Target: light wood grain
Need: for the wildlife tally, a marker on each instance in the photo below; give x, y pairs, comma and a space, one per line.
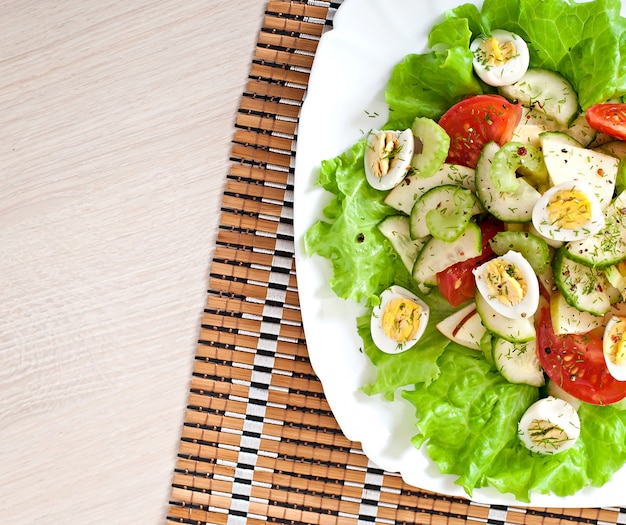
115, 127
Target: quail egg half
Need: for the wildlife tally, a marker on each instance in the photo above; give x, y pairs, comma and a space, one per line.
509, 284
399, 321
549, 425
614, 347
388, 157
569, 211
500, 59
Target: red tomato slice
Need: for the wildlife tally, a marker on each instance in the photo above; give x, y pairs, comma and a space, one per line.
576, 363
609, 119
456, 283
475, 121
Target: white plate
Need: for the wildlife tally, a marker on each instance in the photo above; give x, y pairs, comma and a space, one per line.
345, 96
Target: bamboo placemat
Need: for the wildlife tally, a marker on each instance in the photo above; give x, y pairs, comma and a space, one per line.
259, 442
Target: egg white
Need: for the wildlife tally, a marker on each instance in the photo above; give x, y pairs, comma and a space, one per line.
402, 164
510, 71
529, 304
618, 371
384, 343
556, 411
542, 224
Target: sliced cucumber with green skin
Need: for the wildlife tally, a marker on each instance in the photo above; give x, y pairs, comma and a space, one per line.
437, 255
404, 196
396, 229
486, 345
518, 362
617, 280
553, 139
513, 330
435, 144
516, 206
534, 249
583, 287
514, 156
443, 212
620, 178
546, 91
608, 246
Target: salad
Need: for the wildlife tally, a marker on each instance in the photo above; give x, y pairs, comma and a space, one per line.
468, 411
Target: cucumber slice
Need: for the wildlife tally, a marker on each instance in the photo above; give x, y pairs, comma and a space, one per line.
546, 91
396, 229
486, 345
443, 212
551, 140
404, 196
534, 249
513, 330
617, 279
608, 246
435, 144
515, 206
518, 362
583, 287
437, 255
514, 156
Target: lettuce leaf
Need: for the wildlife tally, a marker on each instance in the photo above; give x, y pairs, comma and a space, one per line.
416, 365
468, 416
427, 85
582, 41
364, 262
467, 420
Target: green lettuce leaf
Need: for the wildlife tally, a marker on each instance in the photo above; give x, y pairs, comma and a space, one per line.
427, 85
416, 365
582, 41
364, 262
468, 416
467, 419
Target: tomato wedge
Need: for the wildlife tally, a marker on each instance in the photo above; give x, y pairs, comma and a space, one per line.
475, 121
576, 363
609, 119
456, 283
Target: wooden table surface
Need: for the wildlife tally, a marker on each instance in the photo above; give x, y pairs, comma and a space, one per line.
115, 126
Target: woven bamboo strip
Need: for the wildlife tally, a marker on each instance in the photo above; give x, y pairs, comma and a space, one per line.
288, 43
266, 175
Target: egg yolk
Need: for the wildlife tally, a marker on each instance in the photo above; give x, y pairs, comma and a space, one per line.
401, 319
546, 433
494, 53
569, 209
616, 351
505, 282
383, 153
